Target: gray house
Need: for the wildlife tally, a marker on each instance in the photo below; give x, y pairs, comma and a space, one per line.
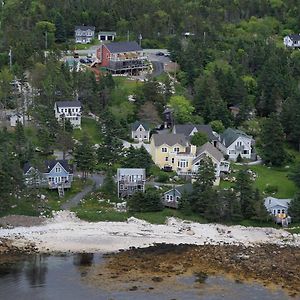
173, 196
140, 131
52, 174
130, 180
84, 34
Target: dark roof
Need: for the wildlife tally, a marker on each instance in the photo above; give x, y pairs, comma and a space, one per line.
213, 151
186, 129
49, 165
169, 139
119, 47
107, 33
294, 37
188, 188
83, 27
75, 103
136, 125
230, 135
168, 110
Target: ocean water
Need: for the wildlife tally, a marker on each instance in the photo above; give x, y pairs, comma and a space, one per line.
63, 277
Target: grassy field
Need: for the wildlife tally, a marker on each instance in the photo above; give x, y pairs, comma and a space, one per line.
269, 176
90, 128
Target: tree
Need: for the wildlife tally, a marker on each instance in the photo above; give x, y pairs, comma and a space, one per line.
295, 175
64, 142
145, 202
294, 208
244, 189
60, 32
217, 126
272, 141
199, 139
109, 186
137, 158
183, 109
84, 156
203, 192
261, 214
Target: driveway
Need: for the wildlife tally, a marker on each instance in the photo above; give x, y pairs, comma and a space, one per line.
74, 201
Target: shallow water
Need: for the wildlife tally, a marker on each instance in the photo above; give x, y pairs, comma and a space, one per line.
62, 277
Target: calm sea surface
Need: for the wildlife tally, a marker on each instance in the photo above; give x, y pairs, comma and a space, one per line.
62, 277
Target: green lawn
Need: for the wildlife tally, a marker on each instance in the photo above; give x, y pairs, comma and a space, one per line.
31, 205
269, 176
90, 128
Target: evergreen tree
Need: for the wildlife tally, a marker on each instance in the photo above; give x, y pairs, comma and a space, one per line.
199, 139
84, 156
60, 32
261, 214
109, 186
245, 193
272, 141
295, 175
294, 208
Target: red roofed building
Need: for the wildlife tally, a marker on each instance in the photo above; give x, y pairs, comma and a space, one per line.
122, 57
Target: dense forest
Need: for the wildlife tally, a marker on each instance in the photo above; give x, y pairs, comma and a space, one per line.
234, 56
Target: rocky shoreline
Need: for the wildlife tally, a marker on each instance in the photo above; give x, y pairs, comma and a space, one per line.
270, 265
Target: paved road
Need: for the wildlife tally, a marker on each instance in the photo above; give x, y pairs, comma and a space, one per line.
158, 68
74, 201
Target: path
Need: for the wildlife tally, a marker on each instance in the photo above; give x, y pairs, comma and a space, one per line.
74, 201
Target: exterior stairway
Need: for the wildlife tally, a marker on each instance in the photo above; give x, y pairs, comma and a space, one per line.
61, 191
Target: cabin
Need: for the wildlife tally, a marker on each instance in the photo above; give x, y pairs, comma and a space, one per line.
292, 41
278, 208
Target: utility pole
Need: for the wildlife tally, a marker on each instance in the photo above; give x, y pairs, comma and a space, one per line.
128, 35
46, 40
140, 39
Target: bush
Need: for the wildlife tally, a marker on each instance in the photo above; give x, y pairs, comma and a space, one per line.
239, 158
163, 177
271, 189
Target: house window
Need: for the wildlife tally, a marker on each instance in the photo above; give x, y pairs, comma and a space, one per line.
278, 211
246, 152
282, 211
166, 158
231, 151
171, 198
121, 186
167, 197
239, 143
177, 198
57, 169
141, 129
173, 160
176, 149
164, 150
145, 137
135, 137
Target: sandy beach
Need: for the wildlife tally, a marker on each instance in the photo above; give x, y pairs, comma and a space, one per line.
66, 233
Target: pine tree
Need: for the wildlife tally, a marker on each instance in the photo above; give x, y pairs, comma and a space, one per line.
272, 141
60, 32
85, 157
261, 214
294, 208
245, 193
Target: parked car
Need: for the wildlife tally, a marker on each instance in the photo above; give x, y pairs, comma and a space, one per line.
76, 55
159, 53
89, 55
83, 60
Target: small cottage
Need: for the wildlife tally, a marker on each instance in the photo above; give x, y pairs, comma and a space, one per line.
140, 132
292, 41
172, 197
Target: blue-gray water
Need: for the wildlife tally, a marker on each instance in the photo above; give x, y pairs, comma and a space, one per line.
61, 277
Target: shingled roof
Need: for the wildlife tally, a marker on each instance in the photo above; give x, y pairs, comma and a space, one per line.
230, 135
136, 125
75, 103
83, 27
294, 37
49, 165
169, 139
187, 129
121, 47
213, 151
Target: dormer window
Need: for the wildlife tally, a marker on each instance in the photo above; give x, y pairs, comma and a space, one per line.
58, 169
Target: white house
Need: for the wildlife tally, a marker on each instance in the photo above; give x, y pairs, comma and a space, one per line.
130, 180
292, 41
220, 164
84, 34
140, 132
278, 208
107, 36
68, 110
233, 142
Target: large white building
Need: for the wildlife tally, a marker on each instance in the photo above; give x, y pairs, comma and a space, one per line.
68, 110
84, 34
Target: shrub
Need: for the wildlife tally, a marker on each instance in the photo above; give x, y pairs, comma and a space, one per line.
270, 189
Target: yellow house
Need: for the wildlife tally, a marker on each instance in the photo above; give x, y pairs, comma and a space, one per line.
172, 151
